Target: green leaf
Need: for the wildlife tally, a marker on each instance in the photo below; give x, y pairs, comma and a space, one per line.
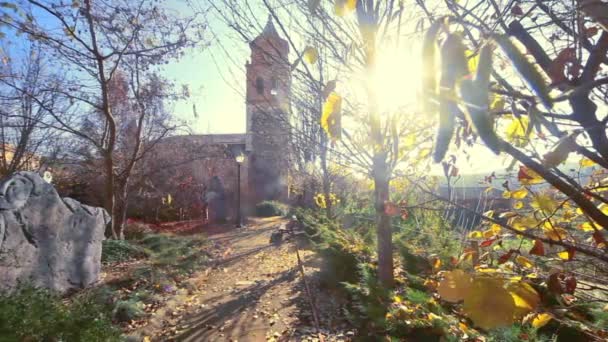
429, 67
528, 69
453, 67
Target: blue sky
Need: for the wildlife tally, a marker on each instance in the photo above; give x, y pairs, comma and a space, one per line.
216, 78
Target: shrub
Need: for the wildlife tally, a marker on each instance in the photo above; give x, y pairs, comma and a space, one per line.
127, 310
120, 251
35, 314
136, 230
271, 208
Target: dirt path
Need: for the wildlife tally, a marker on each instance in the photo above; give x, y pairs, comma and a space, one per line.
253, 292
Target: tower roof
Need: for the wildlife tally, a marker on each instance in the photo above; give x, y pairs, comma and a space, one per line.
269, 29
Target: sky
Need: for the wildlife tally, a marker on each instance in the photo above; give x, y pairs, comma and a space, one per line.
216, 83
216, 78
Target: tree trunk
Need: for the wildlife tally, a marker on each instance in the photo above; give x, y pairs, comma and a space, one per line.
383, 222
121, 208
326, 181
110, 199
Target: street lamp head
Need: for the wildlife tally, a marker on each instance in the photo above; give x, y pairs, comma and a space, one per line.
240, 158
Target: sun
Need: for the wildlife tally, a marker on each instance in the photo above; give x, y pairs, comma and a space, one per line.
396, 78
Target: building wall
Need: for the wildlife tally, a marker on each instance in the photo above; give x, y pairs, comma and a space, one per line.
184, 167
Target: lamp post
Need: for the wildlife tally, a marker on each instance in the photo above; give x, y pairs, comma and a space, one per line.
240, 158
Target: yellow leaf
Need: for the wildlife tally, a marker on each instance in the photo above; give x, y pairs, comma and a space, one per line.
488, 233
555, 233
520, 193
523, 223
488, 304
343, 7
565, 255
524, 262
603, 208
351, 5
331, 118
476, 234
311, 55
586, 162
518, 205
586, 226
544, 202
516, 131
528, 176
397, 299
410, 140
497, 104
454, 286
496, 228
525, 296
169, 199
431, 316
473, 60
541, 320
146, 339
506, 194
436, 263
423, 153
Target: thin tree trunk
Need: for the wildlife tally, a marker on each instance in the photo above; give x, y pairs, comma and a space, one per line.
326, 181
110, 200
383, 222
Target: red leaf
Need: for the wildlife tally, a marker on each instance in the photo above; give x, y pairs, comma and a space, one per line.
454, 261
488, 242
391, 209
571, 253
517, 11
505, 258
591, 31
570, 283
538, 248
522, 174
599, 238
554, 283
564, 61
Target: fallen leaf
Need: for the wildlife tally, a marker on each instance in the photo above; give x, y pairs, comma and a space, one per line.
541, 320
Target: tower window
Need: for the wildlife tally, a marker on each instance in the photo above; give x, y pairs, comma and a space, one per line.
259, 86
274, 86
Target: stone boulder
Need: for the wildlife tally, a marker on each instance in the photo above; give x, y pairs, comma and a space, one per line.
46, 240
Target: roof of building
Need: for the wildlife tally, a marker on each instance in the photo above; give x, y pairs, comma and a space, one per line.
269, 29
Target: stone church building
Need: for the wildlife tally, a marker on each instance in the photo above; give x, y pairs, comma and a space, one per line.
204, 166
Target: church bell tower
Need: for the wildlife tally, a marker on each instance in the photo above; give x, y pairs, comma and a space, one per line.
268, 108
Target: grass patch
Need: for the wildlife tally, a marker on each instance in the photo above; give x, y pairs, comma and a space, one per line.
33, 314
114, 251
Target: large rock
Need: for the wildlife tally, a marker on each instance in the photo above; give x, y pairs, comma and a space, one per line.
47, 240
